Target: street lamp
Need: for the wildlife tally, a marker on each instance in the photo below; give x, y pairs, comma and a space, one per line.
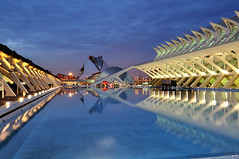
70, 75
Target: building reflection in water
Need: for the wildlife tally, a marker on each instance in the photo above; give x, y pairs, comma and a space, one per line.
214, 110
199, 116
14, 123
101, 100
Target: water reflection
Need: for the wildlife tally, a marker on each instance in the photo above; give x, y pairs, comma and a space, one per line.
213, 110
197, 135
101, 100
11, 125
205, 118
98, 107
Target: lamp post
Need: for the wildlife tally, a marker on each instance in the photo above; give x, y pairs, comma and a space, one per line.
70, 75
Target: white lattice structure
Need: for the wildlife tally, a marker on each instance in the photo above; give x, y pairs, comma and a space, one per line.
206, 58
26, 77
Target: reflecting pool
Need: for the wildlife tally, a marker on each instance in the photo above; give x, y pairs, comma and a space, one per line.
125, 123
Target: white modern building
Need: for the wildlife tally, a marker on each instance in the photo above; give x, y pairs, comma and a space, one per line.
205, 58
20, 76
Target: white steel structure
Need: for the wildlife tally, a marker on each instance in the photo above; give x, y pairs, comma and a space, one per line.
26, 77
206, 58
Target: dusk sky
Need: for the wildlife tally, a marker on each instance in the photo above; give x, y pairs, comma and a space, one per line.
59, 35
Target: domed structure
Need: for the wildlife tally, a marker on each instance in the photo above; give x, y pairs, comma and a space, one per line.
95, 68
112, 70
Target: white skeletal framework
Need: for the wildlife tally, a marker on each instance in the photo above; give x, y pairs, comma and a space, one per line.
206, 58
213, 110
26, 77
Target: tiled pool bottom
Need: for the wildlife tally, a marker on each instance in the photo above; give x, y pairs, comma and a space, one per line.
71, 127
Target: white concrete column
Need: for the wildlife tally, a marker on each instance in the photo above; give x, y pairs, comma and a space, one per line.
17, 67
9, 91
30, 77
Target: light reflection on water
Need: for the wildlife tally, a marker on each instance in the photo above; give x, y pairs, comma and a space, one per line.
188, 113
12, 124
207, 119
214, 110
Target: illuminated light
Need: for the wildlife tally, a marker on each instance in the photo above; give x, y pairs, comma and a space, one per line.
6, 127
24, 94
104, 82
179, 97
29, 96
21, 99
70, 74
4, 136
70, 95
16, 126
104, 89
225, 104
174, 95
8, 104
154, 94
24, 118
30, 113
26, 112
16, 60
204, 98
214, 102
225, 71
39, 93
195, 99
167, 95
35, 94
213, 73
19, 117
34, 110
186, 96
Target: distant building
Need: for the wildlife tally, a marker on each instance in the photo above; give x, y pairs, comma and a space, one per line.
66, 77
94, 68
138, 80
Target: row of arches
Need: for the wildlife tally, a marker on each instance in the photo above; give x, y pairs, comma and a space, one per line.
214, 35
203, 60
18, 77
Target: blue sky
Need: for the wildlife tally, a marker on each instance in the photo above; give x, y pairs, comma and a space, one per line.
59, 35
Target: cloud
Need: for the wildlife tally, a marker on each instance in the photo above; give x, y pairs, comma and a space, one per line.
125, 30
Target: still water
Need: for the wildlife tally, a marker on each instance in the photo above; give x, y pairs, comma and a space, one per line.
125, 124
